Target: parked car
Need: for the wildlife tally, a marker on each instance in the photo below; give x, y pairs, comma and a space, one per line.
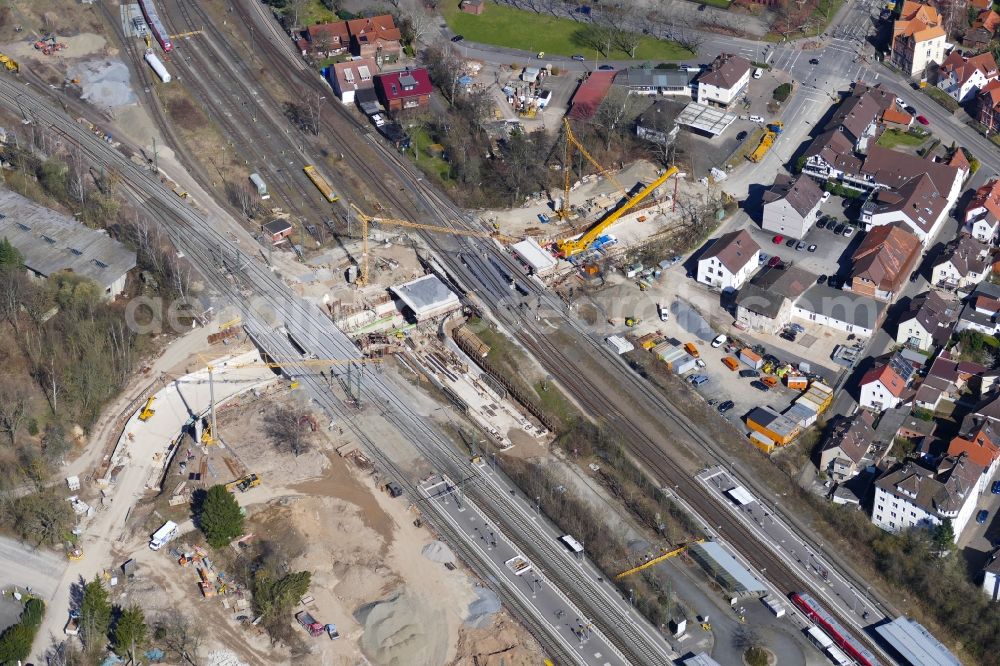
579, 58
798, 328
378, 119
760, 386
700, 362
813, 61
826, 197
606, 68
910, 110
726, 406
756, 119
996, 488
774, 262
778, 240
848, 231
821, 224
457, 38
812, 248
788, 335
790, 242
741, 136
800, 246
821, 279
749, 373
982, 516
763, 258
923, 121
699, 380
839, 229
719, 341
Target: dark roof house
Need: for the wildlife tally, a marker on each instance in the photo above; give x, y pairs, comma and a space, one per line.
884, 260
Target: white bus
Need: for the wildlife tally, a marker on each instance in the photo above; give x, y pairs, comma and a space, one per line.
571, 543
163, 536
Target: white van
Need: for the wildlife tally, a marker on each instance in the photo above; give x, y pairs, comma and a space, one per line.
756, 119
757, 73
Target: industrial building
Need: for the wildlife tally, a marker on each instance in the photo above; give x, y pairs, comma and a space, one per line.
51, 242
535, 257
725, 570
427, 297
770, 426
914, 644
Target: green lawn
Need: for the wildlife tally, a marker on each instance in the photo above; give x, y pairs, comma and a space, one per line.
315, 13
894, 138
501, 25
420, 140
941, 97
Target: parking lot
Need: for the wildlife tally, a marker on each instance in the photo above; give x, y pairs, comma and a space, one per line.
832, 256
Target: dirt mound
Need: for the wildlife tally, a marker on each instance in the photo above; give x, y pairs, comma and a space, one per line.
401, 630
438, 551
483, 608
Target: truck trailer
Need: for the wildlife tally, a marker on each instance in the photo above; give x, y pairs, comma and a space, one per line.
157, 66
260, 185
163, 536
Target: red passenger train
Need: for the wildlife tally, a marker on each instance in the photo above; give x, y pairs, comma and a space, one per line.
155, 25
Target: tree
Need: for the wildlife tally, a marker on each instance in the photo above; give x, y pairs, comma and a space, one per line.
287, 430
42, 517
943, 537
95, 614
179, 636
9, 256
130, 631
13, 410
273, 596
34, 610
747, 637
15, 643
220, 518
597, 37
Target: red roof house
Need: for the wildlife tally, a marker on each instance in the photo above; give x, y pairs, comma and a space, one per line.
406, 89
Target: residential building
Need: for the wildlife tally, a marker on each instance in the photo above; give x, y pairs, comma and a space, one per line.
982, 215
884, 386
475, 7
988, 106
896, 118
980, 34
928, 322
725, 81
590, 95
842, 310
946, 381
729, 261
406, 89
918, 39
765, 303
964, 263
277, 230
980, 313
51, 243
658, 123
848, 447
980, 440
324, 40
962, 78
376, 37
791, 205
882, 263
351, 76
909, 495
900, 423
673, 82
991, 576
918, 204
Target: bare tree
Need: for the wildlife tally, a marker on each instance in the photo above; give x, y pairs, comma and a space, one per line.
746, 638
13, 410
289, 429
420, 24
598, 37
614, 114
295, 9
179, 636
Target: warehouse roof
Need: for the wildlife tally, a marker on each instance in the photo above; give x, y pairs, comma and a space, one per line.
51, 242
700, 659
591, 93
707, 119
534, 255
844, 306
725, 569
426, 296
915, 644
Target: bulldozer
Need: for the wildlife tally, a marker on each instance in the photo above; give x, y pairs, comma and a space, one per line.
9, 64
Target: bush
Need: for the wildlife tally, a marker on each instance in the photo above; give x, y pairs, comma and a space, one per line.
33, 611
841, 190
782, 92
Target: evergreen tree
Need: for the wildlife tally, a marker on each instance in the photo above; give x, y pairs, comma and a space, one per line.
130, 631
9, 256
220, 518
95, 613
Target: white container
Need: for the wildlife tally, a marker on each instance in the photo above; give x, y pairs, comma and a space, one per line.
157, 66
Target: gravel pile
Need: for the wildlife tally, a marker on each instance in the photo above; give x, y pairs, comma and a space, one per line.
483, 608
402, 631
104, 82
438, 551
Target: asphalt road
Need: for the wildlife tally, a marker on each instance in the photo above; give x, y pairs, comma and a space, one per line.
25, 567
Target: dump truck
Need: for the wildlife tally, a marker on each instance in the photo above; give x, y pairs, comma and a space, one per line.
770, 134
310, 624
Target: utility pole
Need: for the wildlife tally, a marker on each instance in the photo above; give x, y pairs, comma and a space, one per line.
156, 160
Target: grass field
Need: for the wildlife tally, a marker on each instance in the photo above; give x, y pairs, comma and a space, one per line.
942, 98
894, 138
514, 28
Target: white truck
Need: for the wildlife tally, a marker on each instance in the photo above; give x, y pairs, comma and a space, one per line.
163, 536
664, 311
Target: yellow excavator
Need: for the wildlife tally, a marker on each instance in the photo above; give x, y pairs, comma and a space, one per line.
569, 247
147, 409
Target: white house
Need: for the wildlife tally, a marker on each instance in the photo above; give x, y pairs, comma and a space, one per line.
913, 496
963, 78
918, 38
883, 386
729, 261
963, 264
928, 322
841, 310
982, 216
791, 205
725, 81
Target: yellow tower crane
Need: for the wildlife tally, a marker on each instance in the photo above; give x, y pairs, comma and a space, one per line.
572, 142
210, 435
569, 246
368, 219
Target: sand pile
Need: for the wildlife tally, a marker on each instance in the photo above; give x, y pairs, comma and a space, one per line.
401, 631
483, 608
438, 551
104, 82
